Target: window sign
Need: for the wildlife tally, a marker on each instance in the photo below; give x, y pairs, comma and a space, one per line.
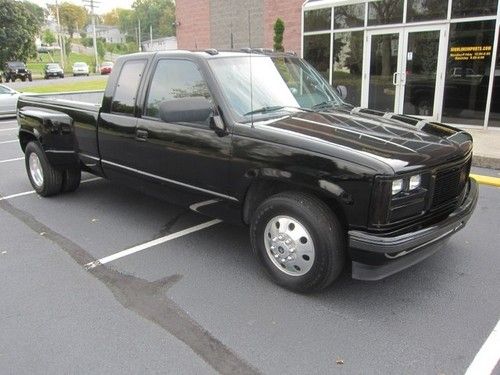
468, 72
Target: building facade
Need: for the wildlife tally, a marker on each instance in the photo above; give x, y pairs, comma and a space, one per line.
228, 24
437, 59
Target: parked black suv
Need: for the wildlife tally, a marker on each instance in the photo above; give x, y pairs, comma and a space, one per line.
16, 70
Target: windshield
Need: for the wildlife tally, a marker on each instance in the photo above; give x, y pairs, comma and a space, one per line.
52, 66
278, 84
80, 65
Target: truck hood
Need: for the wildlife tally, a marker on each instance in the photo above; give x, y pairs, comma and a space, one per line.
404, 143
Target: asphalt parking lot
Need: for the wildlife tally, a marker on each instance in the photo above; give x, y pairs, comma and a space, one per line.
200, 303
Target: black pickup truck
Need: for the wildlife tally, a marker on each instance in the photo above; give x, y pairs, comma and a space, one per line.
263, 140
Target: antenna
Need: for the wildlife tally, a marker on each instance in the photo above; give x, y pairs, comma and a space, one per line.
251, 77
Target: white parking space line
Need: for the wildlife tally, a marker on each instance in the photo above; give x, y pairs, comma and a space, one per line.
488, 356
4, 142
33, 191
4, 130
152, 243
9, 160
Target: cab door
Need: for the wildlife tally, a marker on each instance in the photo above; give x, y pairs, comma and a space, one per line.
183, 155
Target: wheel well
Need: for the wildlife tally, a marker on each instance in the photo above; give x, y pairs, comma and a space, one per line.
259, 191
26, 138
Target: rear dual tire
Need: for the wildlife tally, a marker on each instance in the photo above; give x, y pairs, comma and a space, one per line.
299, 241
45, 179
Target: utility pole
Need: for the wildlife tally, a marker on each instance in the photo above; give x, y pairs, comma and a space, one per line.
59, 37
151, 35
92, 5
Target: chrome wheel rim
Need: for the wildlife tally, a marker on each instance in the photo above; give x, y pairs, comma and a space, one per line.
36, 170
289, 245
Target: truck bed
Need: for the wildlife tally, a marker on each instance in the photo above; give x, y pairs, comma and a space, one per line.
67, 123
86, 100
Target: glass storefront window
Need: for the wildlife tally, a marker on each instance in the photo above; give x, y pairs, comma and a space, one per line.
348, 16
348, 64
473, 8
317, 52
426, 10
495, 95
384, 12
318, 19
421, 68
467, 75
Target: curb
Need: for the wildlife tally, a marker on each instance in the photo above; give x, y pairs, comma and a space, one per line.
485, 162
486, 180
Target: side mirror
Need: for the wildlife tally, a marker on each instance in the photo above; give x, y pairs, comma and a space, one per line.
194, 109
342, 90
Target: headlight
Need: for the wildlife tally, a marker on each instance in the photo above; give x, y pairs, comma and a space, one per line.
397, 186
414, 182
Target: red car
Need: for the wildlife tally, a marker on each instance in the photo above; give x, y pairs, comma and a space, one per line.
106, 67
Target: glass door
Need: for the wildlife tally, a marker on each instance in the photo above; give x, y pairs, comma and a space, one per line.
420, 83
382, 83
400, 70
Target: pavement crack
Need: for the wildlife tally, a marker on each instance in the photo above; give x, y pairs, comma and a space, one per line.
147, 299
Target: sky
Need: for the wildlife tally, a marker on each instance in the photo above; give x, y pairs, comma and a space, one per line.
104, 6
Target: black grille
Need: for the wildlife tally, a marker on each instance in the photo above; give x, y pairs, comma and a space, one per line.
449, 184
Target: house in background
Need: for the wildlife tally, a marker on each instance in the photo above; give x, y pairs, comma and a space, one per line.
160, 44
111, 34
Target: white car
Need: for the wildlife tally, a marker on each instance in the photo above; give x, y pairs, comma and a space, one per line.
8, 101
80, 69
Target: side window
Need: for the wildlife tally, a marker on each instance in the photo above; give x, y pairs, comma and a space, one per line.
174, 79
126, 87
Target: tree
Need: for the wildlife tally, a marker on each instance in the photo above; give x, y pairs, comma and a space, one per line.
160, 14
38, 12
111, 18
20, 25
279, 30
48, 37
72, 17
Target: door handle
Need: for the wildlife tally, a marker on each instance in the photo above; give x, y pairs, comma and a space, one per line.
395, 78
141, 135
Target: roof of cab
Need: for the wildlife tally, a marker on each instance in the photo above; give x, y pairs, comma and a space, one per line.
213, 53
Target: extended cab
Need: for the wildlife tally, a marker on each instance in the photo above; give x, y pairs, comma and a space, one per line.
263, 140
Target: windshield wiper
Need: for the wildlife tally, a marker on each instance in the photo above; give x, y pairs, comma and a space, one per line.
325, 104
274, 108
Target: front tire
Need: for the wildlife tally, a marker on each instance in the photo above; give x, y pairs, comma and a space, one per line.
45, 179
299, 240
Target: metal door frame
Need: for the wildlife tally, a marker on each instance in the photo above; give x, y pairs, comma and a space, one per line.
400, 75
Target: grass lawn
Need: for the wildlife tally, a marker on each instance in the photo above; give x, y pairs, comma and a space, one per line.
95, 84
36, 65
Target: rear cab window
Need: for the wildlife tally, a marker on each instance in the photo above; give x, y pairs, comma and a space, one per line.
127, 86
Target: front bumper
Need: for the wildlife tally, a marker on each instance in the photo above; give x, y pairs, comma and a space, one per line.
393, 254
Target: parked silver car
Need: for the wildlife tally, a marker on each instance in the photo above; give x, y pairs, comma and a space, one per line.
8, 101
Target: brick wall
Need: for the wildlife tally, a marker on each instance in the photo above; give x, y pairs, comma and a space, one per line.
290, 12
232, 16
194, 29
209, 23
